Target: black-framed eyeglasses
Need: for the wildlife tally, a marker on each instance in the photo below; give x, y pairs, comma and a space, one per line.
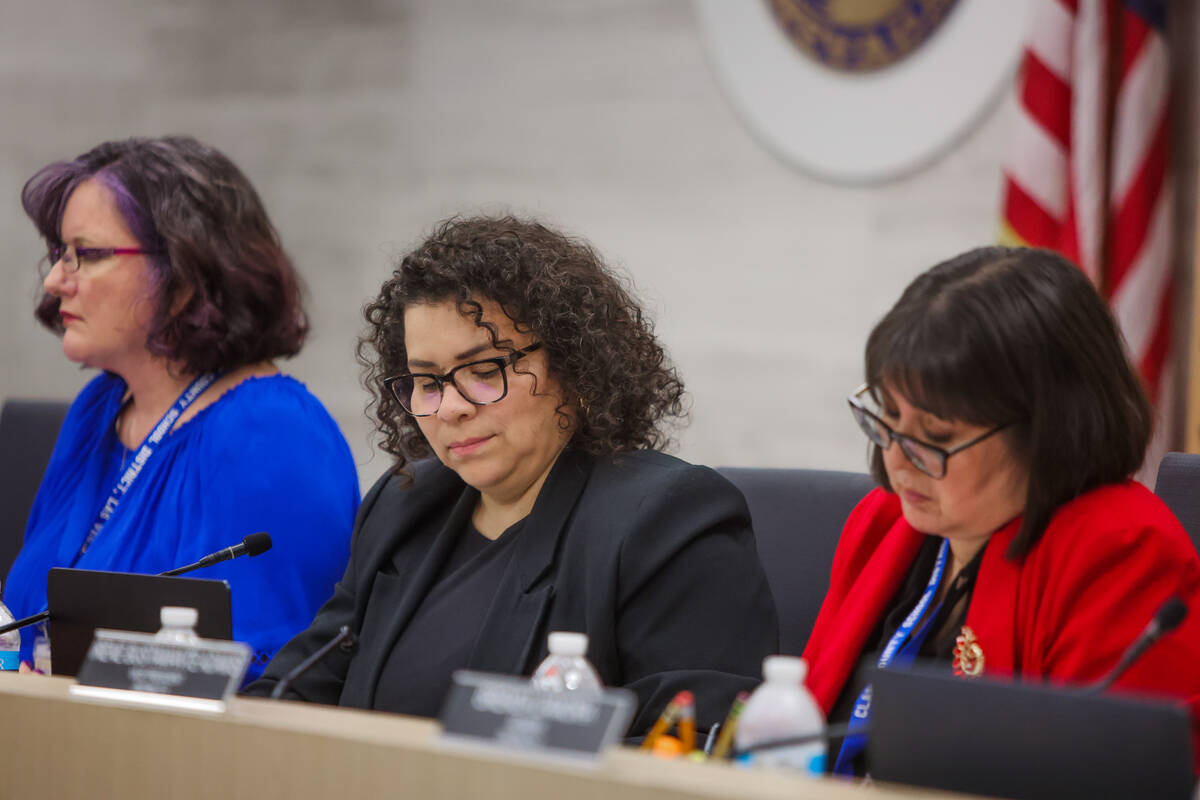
72, 257
479, 382
928, 458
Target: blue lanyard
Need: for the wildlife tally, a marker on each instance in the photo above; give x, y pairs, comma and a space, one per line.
127, 478
901, 651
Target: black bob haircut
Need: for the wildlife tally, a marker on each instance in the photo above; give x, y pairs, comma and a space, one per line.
1018, 337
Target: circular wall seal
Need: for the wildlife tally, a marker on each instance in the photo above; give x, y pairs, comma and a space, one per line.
860, 127
859, 35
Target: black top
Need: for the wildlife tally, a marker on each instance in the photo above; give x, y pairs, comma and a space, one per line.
938, 646
651, 557
443, 630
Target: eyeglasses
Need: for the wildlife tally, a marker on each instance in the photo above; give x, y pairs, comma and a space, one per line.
928, 458
479, 382
73, 257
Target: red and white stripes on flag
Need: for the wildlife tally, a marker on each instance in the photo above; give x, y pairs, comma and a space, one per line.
1087, 175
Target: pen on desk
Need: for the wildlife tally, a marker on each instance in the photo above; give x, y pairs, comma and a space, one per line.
667, 718
727, 729
711, 739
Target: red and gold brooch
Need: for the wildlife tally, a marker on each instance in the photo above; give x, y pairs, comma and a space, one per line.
968, 655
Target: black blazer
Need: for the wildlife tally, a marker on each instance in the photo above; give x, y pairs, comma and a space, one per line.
653, 558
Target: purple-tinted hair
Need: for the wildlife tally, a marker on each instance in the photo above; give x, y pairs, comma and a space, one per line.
228, 295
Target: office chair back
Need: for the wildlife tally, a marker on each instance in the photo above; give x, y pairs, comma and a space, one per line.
1178, 486
28, 430
798, 516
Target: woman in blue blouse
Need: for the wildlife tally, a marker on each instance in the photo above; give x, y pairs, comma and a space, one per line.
166, 274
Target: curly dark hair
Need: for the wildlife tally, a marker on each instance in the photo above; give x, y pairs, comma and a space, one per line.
600, 345
214, 245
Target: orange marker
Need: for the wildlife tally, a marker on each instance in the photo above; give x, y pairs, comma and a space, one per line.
668, 717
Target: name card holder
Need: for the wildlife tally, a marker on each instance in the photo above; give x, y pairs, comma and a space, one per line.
139, 669
507, 712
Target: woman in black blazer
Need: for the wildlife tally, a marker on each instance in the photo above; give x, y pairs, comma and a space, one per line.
511, 354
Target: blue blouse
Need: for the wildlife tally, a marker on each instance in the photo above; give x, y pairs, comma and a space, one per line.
265, 457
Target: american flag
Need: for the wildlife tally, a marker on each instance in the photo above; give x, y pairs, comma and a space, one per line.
1088, 175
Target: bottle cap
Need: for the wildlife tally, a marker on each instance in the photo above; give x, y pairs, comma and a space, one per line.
178, 617
785, 669
563, 643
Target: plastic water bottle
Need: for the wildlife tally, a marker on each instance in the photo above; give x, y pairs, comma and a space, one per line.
178, 625
779, 709
41, 650
566, 669
10, 643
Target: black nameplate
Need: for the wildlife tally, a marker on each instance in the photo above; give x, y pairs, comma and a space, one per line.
510, 712
139, 662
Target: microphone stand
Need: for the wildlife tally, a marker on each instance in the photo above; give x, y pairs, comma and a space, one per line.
345, 637
825, 734
253, 545
1168, 617
24, 623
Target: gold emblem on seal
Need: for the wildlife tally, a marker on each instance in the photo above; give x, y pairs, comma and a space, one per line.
968, 655
859, 35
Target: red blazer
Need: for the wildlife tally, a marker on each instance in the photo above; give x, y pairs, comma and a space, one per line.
1065, 613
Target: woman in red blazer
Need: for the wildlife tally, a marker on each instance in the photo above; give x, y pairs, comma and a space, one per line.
1007, 538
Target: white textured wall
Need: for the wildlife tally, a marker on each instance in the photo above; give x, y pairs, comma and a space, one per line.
364, 121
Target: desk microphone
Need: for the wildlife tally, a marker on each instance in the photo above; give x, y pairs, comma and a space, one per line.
345, 637
253, 545
1168, 617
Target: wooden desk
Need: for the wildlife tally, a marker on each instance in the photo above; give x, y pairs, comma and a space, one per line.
58, 746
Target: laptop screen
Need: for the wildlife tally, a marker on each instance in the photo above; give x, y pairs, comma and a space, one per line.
1025, 741
82, 600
